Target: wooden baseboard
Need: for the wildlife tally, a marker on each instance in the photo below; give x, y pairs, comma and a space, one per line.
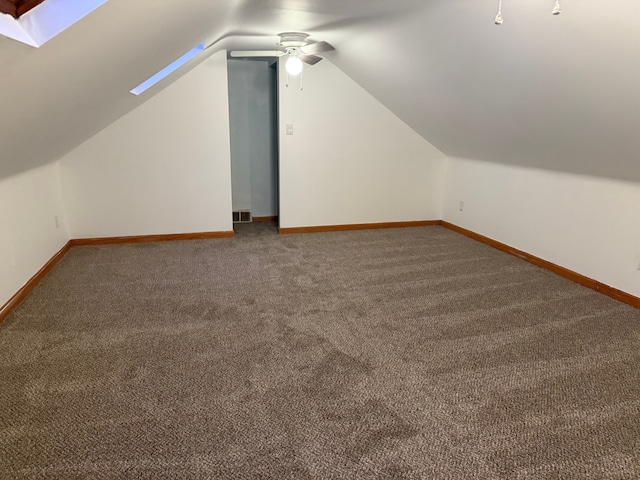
612, 292
557, 269
358, 226
21, 294
273, 218
150, 238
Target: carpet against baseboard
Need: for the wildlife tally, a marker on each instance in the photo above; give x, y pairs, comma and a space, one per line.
398, 354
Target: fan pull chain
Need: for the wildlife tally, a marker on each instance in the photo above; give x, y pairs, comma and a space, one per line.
286, 83
499, 20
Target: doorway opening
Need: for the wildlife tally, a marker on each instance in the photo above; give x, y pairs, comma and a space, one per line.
253, 120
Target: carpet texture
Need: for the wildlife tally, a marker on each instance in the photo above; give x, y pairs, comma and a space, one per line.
393, 354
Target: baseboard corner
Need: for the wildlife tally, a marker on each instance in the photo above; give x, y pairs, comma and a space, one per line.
20, 295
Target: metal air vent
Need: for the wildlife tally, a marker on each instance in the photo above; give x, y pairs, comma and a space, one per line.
242, 216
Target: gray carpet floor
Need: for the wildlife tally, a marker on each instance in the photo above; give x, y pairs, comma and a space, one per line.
403, 354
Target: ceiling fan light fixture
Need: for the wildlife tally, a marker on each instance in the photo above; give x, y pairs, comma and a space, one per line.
293, 65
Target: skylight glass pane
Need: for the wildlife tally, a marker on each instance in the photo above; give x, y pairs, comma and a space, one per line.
167, 70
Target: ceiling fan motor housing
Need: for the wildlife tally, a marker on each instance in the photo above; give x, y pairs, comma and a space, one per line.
295, 44
293, 39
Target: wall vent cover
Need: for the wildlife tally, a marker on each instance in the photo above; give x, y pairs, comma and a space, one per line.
242, 216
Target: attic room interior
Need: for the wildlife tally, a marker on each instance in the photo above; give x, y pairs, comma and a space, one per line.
452, 287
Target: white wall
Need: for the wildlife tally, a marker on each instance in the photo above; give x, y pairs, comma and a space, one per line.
254, 156
351, 160
29, 203
162, 168
589, 225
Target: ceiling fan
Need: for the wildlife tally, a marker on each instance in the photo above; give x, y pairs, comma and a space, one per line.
296, 47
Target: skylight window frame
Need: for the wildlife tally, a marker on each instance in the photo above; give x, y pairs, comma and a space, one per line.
46, 20
17, 8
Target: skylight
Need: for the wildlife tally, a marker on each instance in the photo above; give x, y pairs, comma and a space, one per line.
168, 70
38, 26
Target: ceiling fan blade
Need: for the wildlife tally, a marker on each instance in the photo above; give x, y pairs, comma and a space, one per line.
256, 53
318, 47
310, 59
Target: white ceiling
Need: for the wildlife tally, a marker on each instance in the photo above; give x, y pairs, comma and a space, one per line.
557, 92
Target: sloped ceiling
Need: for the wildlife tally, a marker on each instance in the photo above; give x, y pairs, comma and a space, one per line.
556, 92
